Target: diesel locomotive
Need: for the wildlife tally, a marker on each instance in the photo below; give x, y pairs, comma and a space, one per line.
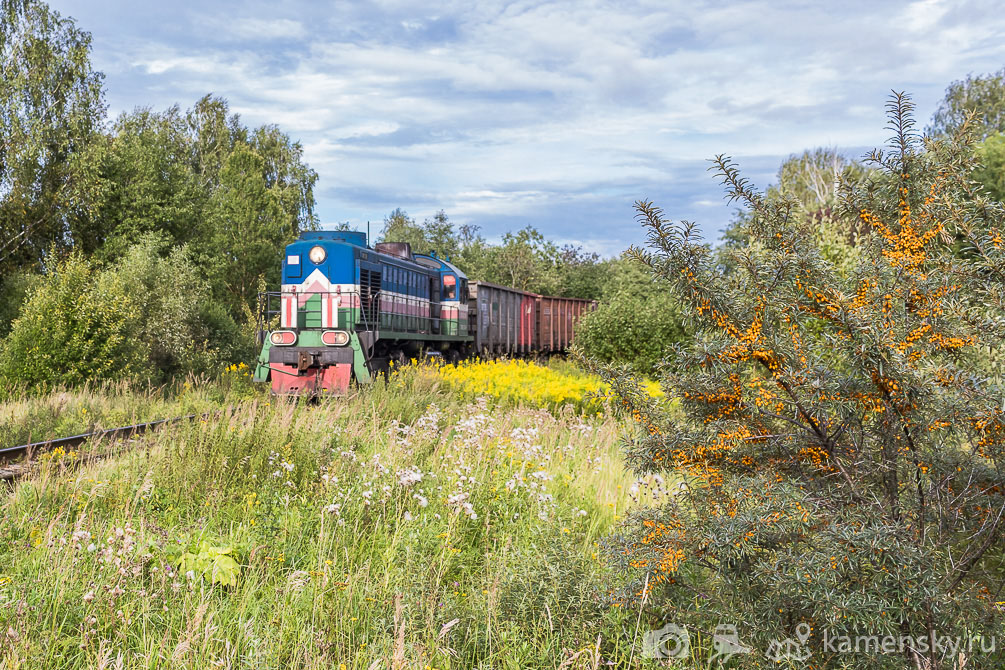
346, 311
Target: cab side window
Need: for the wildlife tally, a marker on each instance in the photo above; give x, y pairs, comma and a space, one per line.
449, 287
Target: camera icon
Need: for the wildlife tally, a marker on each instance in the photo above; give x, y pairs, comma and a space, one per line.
670, 641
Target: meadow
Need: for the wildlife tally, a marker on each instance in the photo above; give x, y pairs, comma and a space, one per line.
426, 522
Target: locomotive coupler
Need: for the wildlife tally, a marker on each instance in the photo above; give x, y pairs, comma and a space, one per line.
306, 360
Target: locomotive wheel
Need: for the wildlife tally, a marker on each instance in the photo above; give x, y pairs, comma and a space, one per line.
379, 367
452, 356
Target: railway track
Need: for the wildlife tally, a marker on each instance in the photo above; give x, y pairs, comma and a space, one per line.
16, 461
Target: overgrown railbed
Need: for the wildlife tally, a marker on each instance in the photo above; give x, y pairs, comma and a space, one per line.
28, 417
404, 523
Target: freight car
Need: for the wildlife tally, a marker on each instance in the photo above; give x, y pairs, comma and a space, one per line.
508, 321
348, 311
502, 320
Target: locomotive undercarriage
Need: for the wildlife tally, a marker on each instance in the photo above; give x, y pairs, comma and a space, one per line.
310, 370
401, 352
317, 371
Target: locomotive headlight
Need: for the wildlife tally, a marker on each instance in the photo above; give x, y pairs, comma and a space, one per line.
335, 338
317, 255
283, 338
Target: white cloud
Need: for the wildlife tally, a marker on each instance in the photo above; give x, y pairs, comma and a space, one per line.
924, 15
497, 110
264, 29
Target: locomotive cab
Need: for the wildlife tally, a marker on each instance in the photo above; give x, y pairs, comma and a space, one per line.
316, 346
451, 291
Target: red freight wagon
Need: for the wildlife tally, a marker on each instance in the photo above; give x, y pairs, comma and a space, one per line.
502, 319
556, 320
506, 321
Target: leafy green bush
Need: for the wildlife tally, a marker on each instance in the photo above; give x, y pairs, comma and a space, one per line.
616, 333
229, 341
142, 318
172, 294
77, 325
635, 322
14, 289
991, 153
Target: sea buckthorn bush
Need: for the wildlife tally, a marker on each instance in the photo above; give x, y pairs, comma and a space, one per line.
840, 432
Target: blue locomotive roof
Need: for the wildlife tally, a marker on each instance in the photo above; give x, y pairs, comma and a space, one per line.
350, 236
343, 249
435, 263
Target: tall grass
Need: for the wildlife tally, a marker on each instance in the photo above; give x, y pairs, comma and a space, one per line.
30, 418
402, 526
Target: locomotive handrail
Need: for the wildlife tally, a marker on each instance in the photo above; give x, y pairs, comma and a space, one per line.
363, 312
371, 314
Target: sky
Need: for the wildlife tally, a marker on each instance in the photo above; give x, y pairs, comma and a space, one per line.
558, 115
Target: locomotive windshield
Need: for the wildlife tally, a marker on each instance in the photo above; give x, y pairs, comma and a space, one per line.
449, 287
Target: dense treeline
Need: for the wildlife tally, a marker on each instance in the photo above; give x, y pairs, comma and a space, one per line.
207, 203
525, 259
135, 248
215, 199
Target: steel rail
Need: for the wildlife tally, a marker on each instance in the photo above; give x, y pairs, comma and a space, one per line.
9, 453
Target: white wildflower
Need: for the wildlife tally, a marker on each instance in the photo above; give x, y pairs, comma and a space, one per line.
469, 510
409, 477
457, 498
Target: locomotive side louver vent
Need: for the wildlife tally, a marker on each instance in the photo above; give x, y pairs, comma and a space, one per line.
369, 295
